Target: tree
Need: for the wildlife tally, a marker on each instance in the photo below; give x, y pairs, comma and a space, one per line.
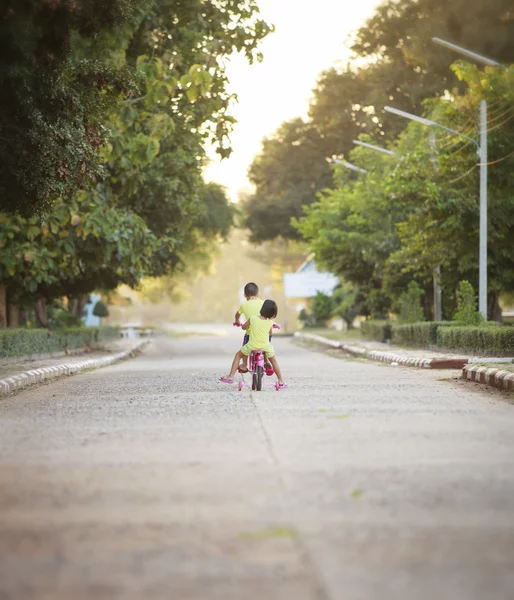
52, 108
401, 66
100, 310
288, 173
145, 210
445, 229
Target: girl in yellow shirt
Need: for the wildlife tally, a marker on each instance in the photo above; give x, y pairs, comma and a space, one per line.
260, 328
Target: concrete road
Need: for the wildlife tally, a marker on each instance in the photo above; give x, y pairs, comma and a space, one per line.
149, 480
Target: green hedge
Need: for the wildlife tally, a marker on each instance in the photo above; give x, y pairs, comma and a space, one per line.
417, 334
27, 342
486, 339
376, 330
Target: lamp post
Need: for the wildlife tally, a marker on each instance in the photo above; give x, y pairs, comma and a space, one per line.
349, 165
482, 148
482, 153
438, 310
373, 147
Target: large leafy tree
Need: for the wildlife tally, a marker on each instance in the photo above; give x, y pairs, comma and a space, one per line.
398, 223
51, 107
403, 66
287, 174
445, 228
149, 210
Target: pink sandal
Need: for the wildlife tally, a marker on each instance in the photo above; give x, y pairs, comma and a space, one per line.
226, 380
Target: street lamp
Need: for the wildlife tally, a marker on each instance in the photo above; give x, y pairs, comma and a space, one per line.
467, 53
377, 148
438, 308
349, 165
482, 153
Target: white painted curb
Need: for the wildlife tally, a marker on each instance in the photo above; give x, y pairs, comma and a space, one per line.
17, 382
504, 380
387, 357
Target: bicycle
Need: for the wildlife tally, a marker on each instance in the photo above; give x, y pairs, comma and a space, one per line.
256, 368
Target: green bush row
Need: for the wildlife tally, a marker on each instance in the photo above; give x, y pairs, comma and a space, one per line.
417, 334
376, 330
488, 338
479, 340
27, 342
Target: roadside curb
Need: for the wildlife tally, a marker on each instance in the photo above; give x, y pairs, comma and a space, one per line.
35, 376
388, 357
503, 380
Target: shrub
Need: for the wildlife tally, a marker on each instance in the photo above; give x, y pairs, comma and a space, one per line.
110, 332
100, 310
28, 342
377, 330
487, 339
467, 313
322, 308
418, 334
410, 300
25, 342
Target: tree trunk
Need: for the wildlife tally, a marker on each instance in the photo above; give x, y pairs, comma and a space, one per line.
3, 307
82, 301
13, 313
73, 303
494, 311
41, 314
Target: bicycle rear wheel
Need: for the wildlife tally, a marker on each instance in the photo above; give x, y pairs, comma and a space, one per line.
259, 378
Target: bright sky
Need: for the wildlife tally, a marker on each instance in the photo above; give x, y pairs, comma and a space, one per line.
310, 36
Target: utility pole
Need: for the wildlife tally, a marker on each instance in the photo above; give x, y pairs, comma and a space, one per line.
438, 307
482, 295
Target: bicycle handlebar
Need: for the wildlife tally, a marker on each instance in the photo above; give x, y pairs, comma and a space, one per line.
236, 324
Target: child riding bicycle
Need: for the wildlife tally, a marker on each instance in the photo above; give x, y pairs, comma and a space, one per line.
260, 328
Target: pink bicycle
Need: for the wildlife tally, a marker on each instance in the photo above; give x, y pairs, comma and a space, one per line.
256, 368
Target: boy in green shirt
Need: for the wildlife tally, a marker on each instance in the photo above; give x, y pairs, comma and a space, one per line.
260, 328
250, 308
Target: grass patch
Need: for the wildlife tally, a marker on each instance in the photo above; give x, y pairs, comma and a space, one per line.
333, 334
339, 416
356, 493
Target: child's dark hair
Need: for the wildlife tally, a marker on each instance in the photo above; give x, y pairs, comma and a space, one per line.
251, 289
269, 309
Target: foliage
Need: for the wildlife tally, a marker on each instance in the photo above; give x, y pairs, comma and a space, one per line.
411, 309
29, 342
421, 335
351, 229
376, 330
467, 313
129, 200
347, 303
485, 340
100, 310
322, 308
51, 107
287, 174
306, 319
399, 65
412, 213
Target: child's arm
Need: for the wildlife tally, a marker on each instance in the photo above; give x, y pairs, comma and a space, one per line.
237, 317
245, 325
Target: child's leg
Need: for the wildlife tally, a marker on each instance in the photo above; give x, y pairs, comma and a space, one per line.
235, 364
278, 373
244, 364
